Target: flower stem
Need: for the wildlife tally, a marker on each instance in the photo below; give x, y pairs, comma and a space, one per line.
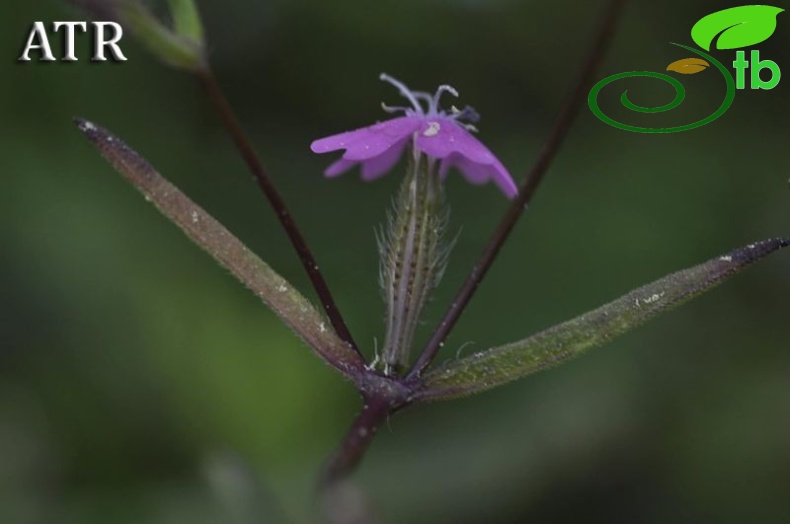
536, 174
231, 123
354, 444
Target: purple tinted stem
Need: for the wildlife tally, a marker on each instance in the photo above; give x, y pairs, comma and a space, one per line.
247, 152
552, 145
353, 446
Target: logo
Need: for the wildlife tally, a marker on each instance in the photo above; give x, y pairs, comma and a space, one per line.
105, 41
734, 28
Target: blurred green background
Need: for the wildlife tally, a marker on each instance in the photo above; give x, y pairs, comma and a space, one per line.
140, 383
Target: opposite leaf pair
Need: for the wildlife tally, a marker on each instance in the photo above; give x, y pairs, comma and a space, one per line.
471, 374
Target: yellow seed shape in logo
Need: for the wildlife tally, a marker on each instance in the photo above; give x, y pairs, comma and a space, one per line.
688, 66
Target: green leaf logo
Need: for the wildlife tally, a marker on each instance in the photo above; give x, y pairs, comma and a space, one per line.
738, 27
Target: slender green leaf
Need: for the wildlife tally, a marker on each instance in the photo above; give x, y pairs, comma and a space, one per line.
182, 48
186, 19
742, 26
562, 342
173, 49
277, 293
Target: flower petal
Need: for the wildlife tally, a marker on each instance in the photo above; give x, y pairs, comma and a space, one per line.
477, 174
339, 167
503, 180
440, 137
376, 167
371, 141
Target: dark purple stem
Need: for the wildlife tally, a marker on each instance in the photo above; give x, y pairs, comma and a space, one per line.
247, 152
534, 178
354, 444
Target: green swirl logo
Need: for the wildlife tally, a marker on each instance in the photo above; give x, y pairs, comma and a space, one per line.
730, 29
680, 95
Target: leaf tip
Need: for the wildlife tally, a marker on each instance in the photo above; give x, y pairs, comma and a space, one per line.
82, 124
88, 128
753, 252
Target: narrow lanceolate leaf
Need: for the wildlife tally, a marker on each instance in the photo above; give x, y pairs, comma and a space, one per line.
182, 48
173, 49
186, 19
562, 342
277, 293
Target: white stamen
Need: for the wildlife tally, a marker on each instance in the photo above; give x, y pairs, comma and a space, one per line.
384, 77
394, 109
431, 107
420, 95
445, 88
442, 89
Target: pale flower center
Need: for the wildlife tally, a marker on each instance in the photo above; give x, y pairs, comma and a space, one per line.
433, 129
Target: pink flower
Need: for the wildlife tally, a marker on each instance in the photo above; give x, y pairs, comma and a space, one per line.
432, 131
